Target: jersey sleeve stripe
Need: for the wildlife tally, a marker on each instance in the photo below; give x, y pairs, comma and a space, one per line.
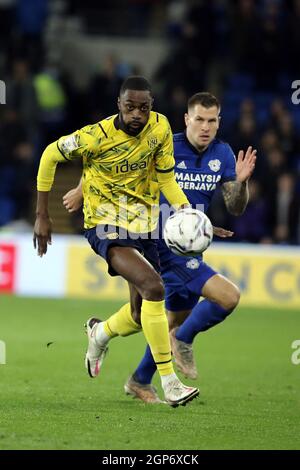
102, 129
62, 153
164, 171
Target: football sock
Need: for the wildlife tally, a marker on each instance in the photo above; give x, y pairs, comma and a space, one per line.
204, 315
121, 323
155, 327
146, 368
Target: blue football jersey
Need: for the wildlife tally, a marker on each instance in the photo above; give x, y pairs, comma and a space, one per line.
199, 174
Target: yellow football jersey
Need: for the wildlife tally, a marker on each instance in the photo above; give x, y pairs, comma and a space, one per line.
119, 171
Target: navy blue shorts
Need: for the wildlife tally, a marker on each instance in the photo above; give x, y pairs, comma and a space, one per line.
103, 237
184, 281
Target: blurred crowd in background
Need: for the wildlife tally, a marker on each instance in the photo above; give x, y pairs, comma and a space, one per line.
245, 51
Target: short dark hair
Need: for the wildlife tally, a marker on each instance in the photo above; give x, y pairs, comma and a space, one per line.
207, 100
135, 82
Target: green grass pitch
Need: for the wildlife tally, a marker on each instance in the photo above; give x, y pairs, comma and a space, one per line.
250, 390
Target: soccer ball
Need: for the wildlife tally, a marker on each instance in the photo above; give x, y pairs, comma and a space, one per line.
188, 232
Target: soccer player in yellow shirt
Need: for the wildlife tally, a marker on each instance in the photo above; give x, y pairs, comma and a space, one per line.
127, 160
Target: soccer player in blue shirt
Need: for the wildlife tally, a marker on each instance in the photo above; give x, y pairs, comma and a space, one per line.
203, 162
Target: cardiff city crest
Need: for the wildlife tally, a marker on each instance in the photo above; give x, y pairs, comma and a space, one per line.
214, 165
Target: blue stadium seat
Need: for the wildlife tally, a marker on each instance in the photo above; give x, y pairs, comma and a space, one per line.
233, 98
229, 116
284, 83
7, 180
296, 117
263, 99
7, 210
262, 115
241, 82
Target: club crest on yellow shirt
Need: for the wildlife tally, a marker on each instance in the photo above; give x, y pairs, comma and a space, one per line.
152, 142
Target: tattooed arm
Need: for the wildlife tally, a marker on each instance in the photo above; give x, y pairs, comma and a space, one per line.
235, 193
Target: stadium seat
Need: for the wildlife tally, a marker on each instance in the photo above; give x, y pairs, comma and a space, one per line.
241, 82
7, 210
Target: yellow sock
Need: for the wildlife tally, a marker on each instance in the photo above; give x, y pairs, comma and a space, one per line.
156, 330
121, 323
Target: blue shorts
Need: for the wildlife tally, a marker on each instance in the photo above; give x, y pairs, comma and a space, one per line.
114, 236
184, 279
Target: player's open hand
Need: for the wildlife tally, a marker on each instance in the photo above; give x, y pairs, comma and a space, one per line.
42, 234
222, 232
245, 164
72, 200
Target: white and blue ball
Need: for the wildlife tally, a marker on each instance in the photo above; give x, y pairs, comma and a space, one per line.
188, 232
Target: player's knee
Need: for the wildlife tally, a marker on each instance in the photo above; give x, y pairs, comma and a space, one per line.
231, 299
136, 311
136, 315
153, 289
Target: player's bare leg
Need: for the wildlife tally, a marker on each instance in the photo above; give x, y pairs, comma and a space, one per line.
131, 265
222, 291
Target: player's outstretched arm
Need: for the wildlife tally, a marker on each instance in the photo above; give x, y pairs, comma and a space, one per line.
43, 224
236, 193
73, 199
